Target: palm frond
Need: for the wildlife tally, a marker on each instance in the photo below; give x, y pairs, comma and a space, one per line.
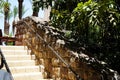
15, 11
10, 15
24, 10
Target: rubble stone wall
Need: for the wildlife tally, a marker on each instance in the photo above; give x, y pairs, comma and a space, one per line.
31, 30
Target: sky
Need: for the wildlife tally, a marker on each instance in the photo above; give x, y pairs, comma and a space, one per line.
28, 6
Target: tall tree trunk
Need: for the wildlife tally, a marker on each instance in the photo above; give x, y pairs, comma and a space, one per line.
6, 24
20, 2
6, 27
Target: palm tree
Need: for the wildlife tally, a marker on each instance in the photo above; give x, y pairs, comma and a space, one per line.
6, 15
1, 4
15, 12
20, 2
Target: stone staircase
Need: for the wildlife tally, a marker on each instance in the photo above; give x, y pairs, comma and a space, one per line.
21, 63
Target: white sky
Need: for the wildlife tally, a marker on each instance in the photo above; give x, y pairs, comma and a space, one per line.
28, 6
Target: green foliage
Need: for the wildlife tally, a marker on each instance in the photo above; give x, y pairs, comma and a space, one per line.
1, 6
10, 15
60, 19
1, 3
97, 24
42, 3
93, 25
6, 6
15, 11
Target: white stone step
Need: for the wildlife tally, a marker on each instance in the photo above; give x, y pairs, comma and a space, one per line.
15, 52
46, 79
13, 47
24, 69
28, 76
21, 63
17, 57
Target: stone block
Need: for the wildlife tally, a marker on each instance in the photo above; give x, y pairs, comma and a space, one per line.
55, 62
41, 61
64, 73
76, 64
67, 60
40, 55
79, 71
48, 64
63, 52
71, 76
51, 55
44, 55
56, 71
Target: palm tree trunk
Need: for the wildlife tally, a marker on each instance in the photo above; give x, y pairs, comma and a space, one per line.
6, 27
6, 24
20, 8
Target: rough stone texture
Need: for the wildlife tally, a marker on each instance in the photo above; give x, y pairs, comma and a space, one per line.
37, 35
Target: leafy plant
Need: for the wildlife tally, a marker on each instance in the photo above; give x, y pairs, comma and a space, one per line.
97, 26
94, 25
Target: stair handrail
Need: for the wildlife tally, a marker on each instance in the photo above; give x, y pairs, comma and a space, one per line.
56, 53
3, 62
